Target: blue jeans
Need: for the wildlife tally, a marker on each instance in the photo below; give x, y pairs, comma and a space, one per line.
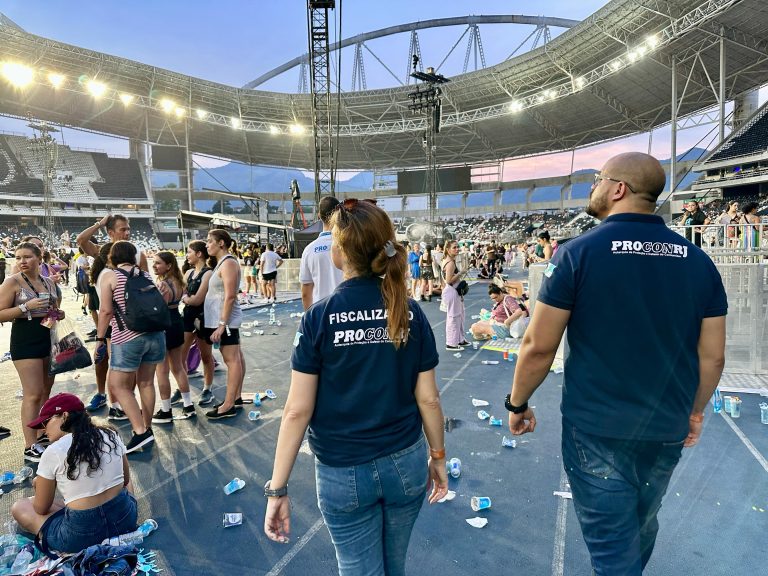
617, 488
370, 509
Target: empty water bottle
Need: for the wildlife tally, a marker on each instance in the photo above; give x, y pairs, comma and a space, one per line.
764, 413
254, 415
23, 559
233, 486
7, 478
717, 401
133, 538
147, 527
23, 474
453, 467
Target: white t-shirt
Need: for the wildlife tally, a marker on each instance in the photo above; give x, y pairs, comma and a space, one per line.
53, 466
317, 267
83, 261
269, 262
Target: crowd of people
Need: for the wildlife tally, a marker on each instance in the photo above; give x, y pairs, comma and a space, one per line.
365, 335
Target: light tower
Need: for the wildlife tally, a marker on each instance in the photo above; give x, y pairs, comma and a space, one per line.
44, 147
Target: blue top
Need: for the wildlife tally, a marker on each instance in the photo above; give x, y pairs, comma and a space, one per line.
365, 405
637, 293
413, 262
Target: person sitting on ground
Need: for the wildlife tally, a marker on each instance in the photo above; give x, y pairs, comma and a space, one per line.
86, 463
506, 310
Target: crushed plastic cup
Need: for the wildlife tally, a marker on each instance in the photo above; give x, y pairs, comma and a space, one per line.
450, 495
247, 334
727, 403
453, 467
259, 332
476, 402
255, 323
232, 519
483, 415
246, 324
480, 503
735, 407
7, 478
457, 355
475, 316
475, 345
270, 394
508, 442
254, 415
279, 323
233, 486
495, 421
764, 413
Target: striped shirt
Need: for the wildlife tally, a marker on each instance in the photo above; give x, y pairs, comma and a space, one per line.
118, 299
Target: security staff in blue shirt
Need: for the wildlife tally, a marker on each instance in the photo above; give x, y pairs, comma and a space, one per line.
643, 362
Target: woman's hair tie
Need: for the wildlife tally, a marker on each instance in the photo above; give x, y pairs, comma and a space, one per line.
389, 249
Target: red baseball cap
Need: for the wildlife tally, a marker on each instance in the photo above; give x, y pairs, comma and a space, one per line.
58, 404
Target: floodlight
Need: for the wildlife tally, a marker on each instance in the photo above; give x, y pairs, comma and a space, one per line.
633, 55
96, 88
180, 112
580, 82
515, 106
201, 114
18, 74
236, 123
550, 94
297, 129
274, 129
126, 98
652, 41
616, 64
167, 105
55, 79
641, 50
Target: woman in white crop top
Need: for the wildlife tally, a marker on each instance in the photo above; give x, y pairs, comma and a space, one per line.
87, 464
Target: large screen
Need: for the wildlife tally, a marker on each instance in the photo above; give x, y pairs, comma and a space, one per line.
448, 180
169, 158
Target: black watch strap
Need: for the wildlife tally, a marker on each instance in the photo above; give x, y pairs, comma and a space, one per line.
101, 340
514, 409
269, 493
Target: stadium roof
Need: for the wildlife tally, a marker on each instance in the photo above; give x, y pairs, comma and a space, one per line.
608, 77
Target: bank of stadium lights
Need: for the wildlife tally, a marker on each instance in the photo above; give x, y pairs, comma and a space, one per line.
17, 74
616, 64
56, 80
201, 114
579, 83
167, 105
126, 99
515, 106
96, 88
180, 112
274, 130
296, 129
235, 122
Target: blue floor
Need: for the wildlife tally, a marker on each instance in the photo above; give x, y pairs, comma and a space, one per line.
713, 520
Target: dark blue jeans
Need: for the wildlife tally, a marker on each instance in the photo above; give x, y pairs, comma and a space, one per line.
617, 488
370, 509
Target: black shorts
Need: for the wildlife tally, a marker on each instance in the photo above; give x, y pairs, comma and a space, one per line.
93, 299
269, 276
191, 314
29, 339
174, 336
233, 339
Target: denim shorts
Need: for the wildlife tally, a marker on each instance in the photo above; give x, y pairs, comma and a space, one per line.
149, 348
501, 330
73, 530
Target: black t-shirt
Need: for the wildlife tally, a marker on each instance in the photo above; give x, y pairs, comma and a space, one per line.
365, 406
695, 219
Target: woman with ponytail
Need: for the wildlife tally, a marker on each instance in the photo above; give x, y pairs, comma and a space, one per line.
363, 380
86, 463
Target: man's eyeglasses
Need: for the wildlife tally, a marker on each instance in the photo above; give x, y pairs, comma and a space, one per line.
599, 177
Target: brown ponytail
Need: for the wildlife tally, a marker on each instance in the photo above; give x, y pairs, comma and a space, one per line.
366, 235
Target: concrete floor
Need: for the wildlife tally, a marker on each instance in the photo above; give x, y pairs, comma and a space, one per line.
713, 520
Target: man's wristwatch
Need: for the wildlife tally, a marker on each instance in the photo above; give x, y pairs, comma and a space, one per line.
514, 409
269, 493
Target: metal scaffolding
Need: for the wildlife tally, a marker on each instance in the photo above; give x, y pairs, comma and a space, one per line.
320, 74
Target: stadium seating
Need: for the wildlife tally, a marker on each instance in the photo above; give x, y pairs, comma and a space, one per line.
751, 139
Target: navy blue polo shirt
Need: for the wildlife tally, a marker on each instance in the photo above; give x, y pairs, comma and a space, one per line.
365, 407
637, 292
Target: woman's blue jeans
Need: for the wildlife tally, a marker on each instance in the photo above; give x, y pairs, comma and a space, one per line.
370, 509
617, 490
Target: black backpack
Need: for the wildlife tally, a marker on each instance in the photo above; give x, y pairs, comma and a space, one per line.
145, 308
82, 281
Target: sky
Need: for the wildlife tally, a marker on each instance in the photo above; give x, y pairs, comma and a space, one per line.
235, 41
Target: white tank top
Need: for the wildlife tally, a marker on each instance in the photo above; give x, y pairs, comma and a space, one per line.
214, 299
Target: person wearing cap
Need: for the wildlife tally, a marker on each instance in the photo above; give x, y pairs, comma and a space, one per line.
86, 463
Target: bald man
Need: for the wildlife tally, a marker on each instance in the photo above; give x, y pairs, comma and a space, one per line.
642, 364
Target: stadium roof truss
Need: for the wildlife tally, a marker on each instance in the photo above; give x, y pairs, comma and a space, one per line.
607, 77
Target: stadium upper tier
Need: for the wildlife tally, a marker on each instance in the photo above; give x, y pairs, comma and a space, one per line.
608, 77
78, 176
